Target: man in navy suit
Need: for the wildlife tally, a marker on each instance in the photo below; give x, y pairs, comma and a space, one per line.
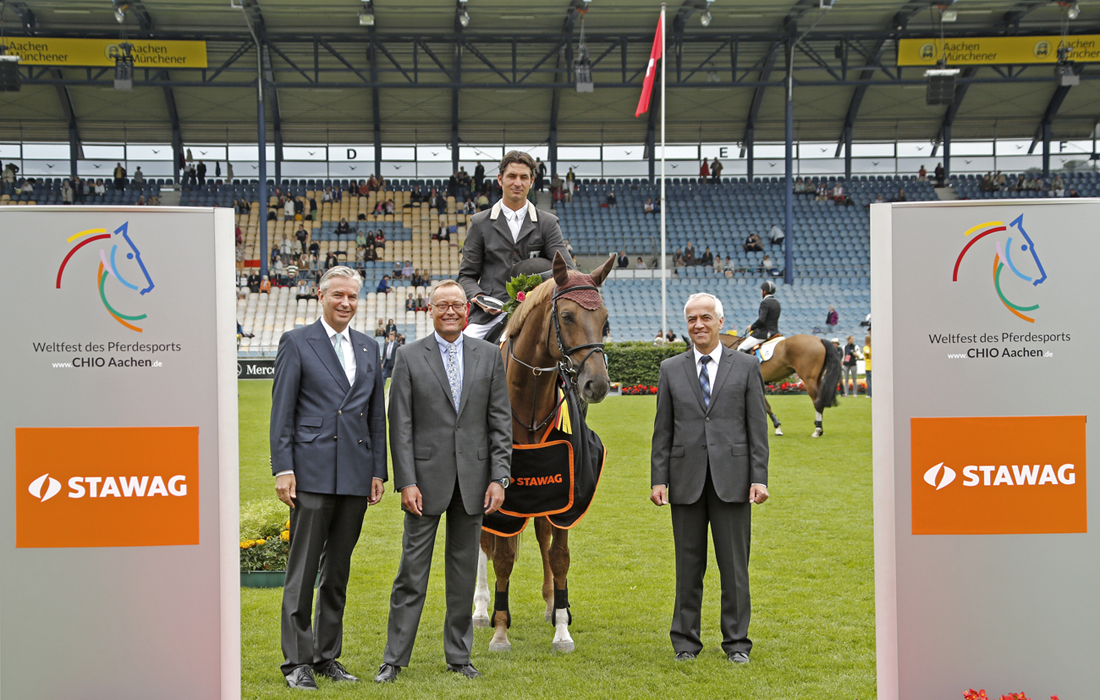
328, 454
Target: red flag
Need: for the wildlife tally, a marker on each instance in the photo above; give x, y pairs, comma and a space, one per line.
651, 71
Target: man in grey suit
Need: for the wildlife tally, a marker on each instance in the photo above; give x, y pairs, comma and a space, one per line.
451, 443
710, 461
511, 231
328, 454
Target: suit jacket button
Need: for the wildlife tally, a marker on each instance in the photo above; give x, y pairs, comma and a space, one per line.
339, 413
333, 437
360, 442
708, 419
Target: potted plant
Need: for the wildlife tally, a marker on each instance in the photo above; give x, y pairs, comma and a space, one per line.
265, 544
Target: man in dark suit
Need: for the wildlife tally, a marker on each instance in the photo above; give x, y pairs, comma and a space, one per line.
512, 231
328, 454
767, 321
389, 352
710, 461
451, 439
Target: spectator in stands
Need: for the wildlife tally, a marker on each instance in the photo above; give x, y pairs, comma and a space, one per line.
766, 265
407, 270
867, 363
389, 352
299, 208
80, 189
649, 207
728, 267
1000, 180
141, 201
469, 207
704, 172
265, 285
66, 192
228, 173
540, 174
380, 329
288, 208
1073, 193
838, 195
301, 235
900, 196
716, 170
410, 303
292, 273
822, 192
1018, 185
120, 176
678, 259
940, 175
314, 249
100, 189
689, 254
670, 337
611, 200
570, 184
254, 282
421, 305
922, 174
482, 201
343, 228
1057, 186
556, 188
331, 260
708, 258
719, 264
640, 264
396, 270
391, 327
327, 196
479, 176
383, 285
986, 183
360, 238
753, 244
200, 170
848, 368
9, 174
279, 270
139, 177
285, 249
380, 238
623, 260
360, 257
776, 234
304, 291
659, 339
831, 320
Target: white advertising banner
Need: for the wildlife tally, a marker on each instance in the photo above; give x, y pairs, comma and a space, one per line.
984, 332
118, 435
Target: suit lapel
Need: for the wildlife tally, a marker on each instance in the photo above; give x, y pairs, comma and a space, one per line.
318, 339
435, 361
469, 366
500, 225
723, 371
693, 377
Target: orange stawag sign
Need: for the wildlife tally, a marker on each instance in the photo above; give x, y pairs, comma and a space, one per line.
1007, 475
106, 487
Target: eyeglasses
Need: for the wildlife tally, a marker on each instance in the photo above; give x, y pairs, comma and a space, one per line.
456, 307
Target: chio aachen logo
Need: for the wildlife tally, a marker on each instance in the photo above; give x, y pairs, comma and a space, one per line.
52, 489
1014, 248
108, 267
941, 475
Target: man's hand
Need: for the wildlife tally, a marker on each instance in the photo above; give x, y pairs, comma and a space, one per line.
377, 488
286, 488
659, 496
411, 500
758, 493
494, 497
477, 300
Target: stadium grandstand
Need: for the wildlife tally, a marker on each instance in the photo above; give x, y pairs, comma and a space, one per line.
815, 110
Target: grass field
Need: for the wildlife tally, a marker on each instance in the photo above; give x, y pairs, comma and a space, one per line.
811, 571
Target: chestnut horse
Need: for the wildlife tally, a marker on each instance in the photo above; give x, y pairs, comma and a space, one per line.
816, 363
548, 335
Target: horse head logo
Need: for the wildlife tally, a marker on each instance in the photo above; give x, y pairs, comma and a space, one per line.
135, 279
1014, 249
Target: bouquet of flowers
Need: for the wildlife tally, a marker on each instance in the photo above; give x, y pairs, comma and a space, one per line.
518, 289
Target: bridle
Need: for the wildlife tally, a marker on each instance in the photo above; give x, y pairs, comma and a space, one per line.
566, 368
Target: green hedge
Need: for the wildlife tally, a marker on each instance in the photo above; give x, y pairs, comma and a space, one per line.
639, 362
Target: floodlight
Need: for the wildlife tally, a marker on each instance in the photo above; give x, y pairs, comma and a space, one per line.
705, 18
366, 16
124, 68
464, 18
9, 71
1073, 11
949, 15
941, 86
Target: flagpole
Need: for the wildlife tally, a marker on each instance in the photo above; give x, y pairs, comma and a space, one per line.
664, 201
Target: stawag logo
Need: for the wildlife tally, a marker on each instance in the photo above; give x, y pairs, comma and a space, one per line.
1003, 475
136, 279
1014, 247
139, 486
52, 489
998, 475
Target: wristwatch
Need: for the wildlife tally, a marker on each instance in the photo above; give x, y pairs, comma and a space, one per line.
503, 481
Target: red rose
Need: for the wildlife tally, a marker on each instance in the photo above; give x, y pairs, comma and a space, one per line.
520, 296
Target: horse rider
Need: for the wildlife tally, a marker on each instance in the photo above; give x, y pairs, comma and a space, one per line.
767, 322
512, 231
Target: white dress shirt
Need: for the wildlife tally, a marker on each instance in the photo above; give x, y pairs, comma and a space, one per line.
345, 344
515, 219
712, 367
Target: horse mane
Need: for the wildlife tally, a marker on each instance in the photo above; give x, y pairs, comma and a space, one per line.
536, 296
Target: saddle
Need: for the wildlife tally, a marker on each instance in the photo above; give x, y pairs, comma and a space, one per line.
763, 349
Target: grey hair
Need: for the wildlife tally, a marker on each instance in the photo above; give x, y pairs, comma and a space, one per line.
717, 303
446, 283
340, 271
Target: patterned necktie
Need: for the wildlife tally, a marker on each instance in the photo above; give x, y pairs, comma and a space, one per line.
452, 373
338, 345
704, 380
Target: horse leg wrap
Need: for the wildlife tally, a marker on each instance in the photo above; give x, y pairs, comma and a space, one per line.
500, 604
561, 602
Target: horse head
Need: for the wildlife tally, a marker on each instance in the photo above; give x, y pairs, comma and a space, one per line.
1020, 254
580, 316
1015, 252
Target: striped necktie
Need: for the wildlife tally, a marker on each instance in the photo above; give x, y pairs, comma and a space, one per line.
704, 379
452, 373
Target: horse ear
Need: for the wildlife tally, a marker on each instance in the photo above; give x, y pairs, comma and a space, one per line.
601, 272
561, 270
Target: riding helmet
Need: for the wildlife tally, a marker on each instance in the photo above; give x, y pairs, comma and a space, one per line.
768, 287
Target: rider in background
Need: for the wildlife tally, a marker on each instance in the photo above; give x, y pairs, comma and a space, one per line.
767, 322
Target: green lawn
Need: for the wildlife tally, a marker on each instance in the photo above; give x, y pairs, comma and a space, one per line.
811, 569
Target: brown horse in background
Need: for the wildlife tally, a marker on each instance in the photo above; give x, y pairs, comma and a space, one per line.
534, 348
816, 363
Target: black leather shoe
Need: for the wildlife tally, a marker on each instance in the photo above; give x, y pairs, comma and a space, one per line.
467, 670
387, 673
301, 678
334, 670
685, 656
739, 657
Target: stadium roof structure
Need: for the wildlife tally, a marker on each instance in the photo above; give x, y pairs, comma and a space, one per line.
415, 72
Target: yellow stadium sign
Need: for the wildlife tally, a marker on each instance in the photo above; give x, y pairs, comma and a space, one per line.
147, 53
997, 50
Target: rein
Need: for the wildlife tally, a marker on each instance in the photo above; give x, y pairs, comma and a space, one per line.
566, 369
